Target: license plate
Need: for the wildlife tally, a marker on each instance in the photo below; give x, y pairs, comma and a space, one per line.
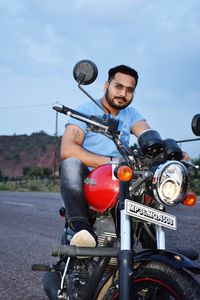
149, 214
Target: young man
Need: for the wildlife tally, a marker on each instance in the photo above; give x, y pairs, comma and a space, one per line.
82, 149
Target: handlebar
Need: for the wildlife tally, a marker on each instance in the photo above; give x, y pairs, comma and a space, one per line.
77, 115
105, 124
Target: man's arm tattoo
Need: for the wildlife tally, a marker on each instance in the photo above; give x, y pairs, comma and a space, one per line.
76, 134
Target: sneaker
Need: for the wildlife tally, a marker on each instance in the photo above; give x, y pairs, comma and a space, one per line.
83, 238
67, 236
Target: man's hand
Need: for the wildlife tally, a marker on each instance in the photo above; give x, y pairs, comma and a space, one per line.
185, 156
117, 160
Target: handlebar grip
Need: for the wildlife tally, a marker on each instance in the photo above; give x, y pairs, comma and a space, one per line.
58, 107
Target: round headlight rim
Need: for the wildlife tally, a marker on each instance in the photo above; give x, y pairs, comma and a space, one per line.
156, 179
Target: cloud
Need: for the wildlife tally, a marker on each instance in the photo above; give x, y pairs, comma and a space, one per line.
42, 40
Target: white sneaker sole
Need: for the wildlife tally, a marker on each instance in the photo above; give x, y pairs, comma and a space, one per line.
83, 239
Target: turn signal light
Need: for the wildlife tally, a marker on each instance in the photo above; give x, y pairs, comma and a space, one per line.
189, 200
124, 173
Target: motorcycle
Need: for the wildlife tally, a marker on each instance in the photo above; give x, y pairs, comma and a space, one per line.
128, 200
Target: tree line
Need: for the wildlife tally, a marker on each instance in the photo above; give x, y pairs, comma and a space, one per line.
33, 173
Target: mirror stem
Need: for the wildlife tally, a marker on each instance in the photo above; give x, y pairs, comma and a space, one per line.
86, 93
189, 140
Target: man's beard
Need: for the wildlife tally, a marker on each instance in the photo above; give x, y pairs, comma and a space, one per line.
114, 105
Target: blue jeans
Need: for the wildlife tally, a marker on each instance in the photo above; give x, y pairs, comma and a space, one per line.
72, 175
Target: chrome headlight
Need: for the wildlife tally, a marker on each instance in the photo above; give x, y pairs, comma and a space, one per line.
170, 183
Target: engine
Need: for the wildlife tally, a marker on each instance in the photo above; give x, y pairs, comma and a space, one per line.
80, 270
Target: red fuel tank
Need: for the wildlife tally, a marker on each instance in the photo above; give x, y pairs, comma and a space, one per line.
101, 188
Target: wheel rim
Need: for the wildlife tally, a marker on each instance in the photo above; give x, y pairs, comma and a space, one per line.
152, 289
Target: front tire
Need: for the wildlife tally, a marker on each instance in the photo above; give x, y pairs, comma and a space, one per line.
159, 281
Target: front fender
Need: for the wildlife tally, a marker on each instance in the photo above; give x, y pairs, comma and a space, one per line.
173, 258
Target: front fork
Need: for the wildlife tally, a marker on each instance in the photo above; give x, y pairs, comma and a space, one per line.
160, 237
125, 254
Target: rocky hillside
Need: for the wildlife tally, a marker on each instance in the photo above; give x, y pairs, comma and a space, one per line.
35, 150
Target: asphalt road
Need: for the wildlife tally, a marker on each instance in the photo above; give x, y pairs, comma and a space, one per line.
30, 227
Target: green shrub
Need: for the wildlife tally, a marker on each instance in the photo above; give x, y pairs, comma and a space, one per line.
43, 185
37, 172
32, 185
8, 186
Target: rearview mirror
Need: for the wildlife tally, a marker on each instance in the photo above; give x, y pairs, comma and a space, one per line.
196, 124
85, 72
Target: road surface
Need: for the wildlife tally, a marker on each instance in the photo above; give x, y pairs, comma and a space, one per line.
30, 227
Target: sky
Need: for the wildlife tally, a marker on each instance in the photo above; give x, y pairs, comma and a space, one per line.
42, 40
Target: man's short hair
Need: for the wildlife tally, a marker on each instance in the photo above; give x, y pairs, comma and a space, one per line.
123, 69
